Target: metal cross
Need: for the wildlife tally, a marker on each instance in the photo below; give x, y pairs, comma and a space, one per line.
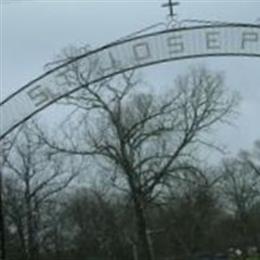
171, 4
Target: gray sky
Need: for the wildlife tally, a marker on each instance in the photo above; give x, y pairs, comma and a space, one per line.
34, 31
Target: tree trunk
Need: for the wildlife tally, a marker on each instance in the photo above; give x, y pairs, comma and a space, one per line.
143, 247
30, 231
32, 252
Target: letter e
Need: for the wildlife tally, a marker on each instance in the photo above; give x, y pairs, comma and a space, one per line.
212, 39
248, 37
175, 44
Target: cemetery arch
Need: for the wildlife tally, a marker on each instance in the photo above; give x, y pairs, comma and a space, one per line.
121, 56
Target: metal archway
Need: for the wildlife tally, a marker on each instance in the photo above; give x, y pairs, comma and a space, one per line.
125, 55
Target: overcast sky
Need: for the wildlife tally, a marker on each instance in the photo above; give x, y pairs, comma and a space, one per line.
34, 31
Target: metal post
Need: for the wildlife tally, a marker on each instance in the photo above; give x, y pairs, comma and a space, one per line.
2, 219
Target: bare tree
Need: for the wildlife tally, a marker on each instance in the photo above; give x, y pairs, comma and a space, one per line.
252, 158
241, 190
34, 176
144, 139
5, 148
